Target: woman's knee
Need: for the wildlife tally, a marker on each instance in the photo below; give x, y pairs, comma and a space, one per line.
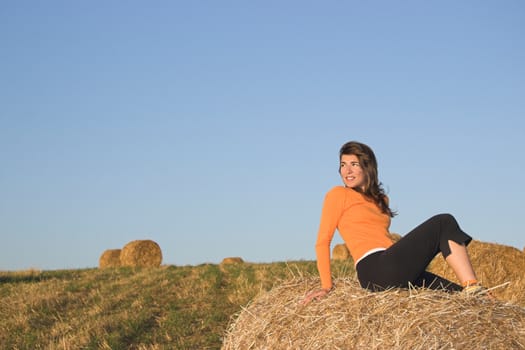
444, 218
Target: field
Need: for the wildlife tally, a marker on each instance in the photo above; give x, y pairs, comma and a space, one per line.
171, 307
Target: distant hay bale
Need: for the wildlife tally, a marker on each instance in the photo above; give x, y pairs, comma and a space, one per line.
394, 236
232, 260
494, 264
353, 318
141, 253
340, 252
109, 258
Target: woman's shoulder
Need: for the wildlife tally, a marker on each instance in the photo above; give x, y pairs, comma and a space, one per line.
341, 191
336, 190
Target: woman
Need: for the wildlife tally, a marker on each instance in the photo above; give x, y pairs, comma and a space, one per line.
361, 213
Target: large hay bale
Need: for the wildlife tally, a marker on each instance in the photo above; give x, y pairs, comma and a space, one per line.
141, 253
495, 264
109, 258
353, 318
340, 252
232, 260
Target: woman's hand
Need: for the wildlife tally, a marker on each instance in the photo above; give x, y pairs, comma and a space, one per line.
315, 295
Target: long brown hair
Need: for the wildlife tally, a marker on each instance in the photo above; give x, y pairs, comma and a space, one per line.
373, 189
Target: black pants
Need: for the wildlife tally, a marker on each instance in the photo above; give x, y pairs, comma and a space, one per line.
406, 261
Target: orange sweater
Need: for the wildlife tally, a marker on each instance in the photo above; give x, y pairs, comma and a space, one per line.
360, 222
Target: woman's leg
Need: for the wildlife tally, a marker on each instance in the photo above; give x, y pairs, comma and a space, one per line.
459, 261
432, 281
406, 261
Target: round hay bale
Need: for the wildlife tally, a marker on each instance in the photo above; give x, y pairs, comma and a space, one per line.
232, 260
110, 258
353, 318
141, 253
340, 252
394, 236
495, 264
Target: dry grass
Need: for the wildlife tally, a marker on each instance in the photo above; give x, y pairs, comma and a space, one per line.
141, 253
353, 318
110, 258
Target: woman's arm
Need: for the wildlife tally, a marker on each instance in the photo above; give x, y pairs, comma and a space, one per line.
332, 209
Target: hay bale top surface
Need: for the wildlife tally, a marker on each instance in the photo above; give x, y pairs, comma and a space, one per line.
109, 258
353, 318
141, 253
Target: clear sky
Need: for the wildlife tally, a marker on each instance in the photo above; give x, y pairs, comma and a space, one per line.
213, 127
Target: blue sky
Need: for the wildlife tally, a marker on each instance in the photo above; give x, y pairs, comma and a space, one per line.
213, 128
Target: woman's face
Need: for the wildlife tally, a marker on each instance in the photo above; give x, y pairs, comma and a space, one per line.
351, 172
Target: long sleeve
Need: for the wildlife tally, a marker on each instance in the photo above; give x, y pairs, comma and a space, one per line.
330, 215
